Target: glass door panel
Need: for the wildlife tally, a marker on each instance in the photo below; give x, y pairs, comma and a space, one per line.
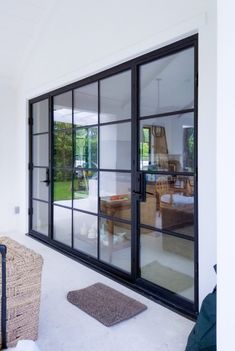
40, 172
166, 163
168, 262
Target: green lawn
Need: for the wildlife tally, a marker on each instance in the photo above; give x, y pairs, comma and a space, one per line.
63, 191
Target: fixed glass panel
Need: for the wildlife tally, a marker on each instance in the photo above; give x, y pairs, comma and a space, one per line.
40, 116
168, 261
63, 187
85, 233
115, 243
115, 97
86, 147
63, 149
115, 146
115, 194
169, 203
63, 111
167, 84
40, 187
167, 143
63, 225
40, 150
86, 105
85, 190
40, 217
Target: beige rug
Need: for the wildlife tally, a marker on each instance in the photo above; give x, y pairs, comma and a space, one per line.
105, 304
166, 277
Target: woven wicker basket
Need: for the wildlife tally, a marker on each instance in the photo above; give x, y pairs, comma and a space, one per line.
23, 277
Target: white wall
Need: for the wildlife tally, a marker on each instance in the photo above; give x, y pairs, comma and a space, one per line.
84, 37
225, 171
9, 154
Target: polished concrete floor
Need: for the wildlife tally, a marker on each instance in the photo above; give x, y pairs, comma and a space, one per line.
64, 327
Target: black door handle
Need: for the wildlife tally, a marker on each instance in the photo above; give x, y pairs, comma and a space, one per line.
141, 194
47, 180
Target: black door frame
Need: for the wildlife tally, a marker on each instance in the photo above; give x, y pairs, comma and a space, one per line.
132, 280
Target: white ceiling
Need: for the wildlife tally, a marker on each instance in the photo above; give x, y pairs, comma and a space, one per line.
21, 22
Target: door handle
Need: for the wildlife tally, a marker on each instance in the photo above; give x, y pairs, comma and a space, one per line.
141, 195
47, 180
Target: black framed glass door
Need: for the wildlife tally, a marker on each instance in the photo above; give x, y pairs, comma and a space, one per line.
119, 190
39, 166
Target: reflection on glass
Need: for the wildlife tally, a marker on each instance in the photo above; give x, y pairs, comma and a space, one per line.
40, 150
62, 225
40, 189
63, 149
86, 105
167, 84
167, 143
63, 111
169, 203
115, 244
86, 147
63, 187
85, 233
40, 117
115, 97
115, 146
115, 194
168, 261
40, 217
85, 190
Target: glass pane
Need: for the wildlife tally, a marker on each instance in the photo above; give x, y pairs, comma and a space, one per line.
63, 111
63, 187
115, 243
169, 203
168, 261
40, 117
86, 105
167, 84
86, 147
63, 149
40, 150
40, 217
40, 188
167, 143
115, 146
86, 190
115, 194
85, 233
63, 225
115, 97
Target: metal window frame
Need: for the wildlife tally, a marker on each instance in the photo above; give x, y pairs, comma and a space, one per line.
133, 280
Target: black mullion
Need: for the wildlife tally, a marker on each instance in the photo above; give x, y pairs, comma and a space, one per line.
85, 126
83, 211
168, 232
196, 269
186, 174
52, 168
40, 200
51, 175
30, 168
115, 219
98, 176
73, 170
135, 247
63, 206
41, 133
126, 120
115, 170
168, 114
